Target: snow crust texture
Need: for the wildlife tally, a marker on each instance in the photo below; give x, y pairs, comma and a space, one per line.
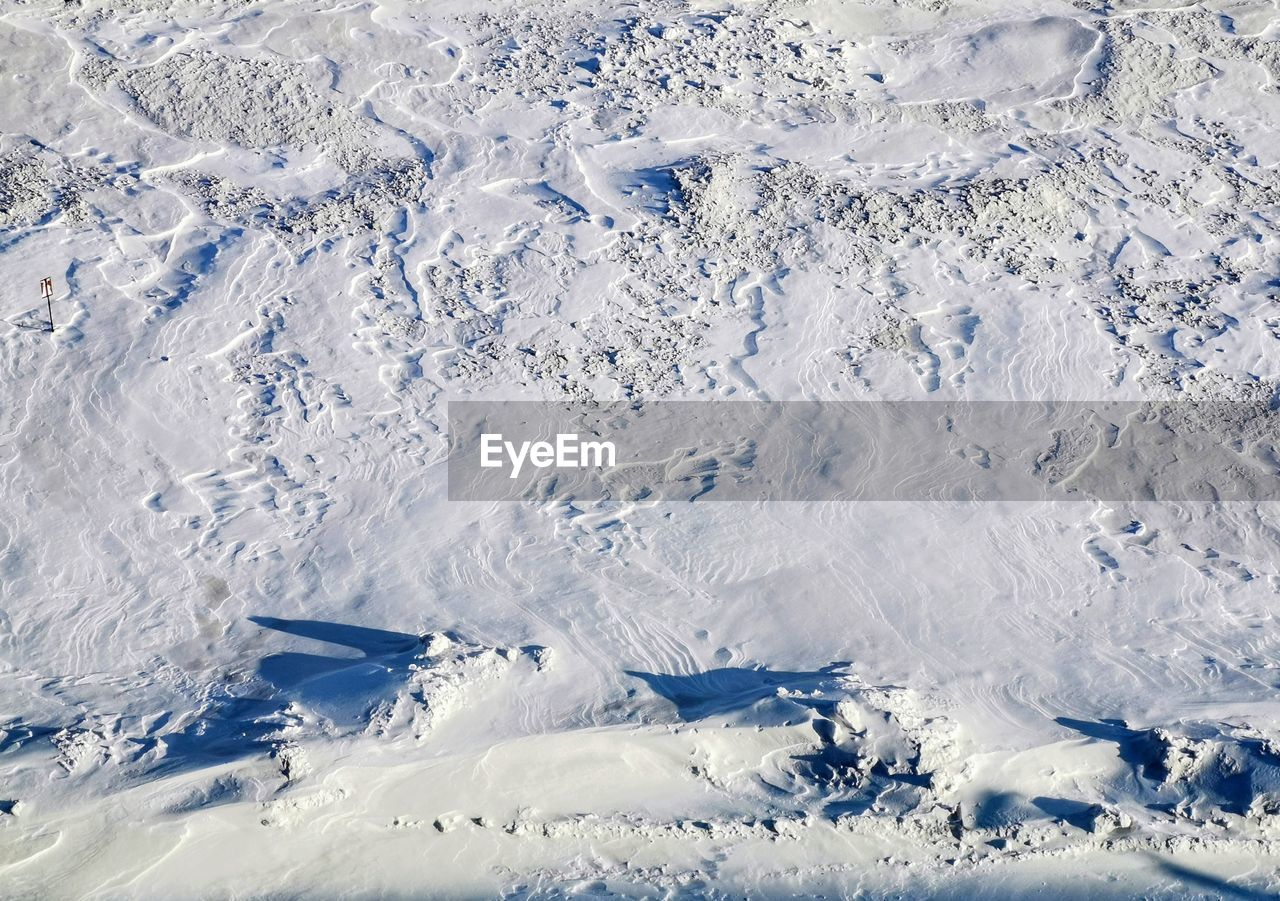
248, 647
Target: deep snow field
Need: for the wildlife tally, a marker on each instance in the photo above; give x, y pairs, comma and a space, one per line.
250, 648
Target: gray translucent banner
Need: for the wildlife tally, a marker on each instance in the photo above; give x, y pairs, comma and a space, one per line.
809, 450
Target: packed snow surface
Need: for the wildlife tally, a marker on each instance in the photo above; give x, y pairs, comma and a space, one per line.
249, 647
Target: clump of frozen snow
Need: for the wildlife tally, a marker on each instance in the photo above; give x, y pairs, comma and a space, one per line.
445, 677
244, 101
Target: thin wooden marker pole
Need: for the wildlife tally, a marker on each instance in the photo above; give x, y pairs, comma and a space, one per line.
46, 291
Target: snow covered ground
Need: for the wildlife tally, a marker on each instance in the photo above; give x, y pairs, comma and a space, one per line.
250, 648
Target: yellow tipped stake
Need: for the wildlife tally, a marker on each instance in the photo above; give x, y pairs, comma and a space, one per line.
46, 291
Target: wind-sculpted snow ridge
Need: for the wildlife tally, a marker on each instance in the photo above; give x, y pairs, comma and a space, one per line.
239, 612
257, 744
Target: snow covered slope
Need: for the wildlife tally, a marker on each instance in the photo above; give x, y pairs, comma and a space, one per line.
249, 647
